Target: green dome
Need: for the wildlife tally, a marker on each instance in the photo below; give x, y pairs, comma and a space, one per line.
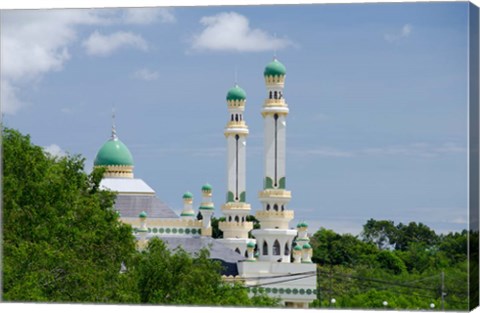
113, 152
187, 195
307, 246
297, 248
236, 93
143, 214
207, 187
275, 68
302, 224
251, 244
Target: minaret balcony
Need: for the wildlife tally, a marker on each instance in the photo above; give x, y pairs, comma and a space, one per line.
275, 80
236, 206
226, 226
274, 103
236, 124
275, 215
274, 193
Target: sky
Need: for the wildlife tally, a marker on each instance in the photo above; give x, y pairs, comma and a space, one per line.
377, 96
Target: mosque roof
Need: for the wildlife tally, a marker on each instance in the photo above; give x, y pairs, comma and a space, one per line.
133, 205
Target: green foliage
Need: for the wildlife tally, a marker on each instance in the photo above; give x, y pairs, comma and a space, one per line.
62, 241
180, 279
400, 264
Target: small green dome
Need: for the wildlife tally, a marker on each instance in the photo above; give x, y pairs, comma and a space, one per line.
207, 187
143, 214
297, 248
307, 246
275, 68
187, 195
251, 244
113, 152
236, 93
302, 224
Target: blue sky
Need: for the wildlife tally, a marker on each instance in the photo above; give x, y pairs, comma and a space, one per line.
377, 96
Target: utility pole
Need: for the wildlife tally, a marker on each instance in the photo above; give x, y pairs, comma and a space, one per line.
442, 276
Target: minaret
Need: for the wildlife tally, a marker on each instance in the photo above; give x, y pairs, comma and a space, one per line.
187, 213
274, 238
206, 209
235, 228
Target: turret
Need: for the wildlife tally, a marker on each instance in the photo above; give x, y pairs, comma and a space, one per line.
206, 210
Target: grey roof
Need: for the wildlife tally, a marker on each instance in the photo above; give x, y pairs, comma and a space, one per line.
133, 205
218, 251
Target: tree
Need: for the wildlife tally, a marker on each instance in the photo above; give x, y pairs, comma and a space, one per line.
62, 240
166, 277
382, 233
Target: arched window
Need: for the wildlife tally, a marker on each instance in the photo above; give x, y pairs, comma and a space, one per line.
287, 249
276, 248
283, 208
236, 219
275, 207
236, 117
238, 251
229, 218
265, 248
268, 207
231, 118
280, 95
275, 95
270, 95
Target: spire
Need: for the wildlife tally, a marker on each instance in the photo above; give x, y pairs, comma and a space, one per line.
236, 77
114, 129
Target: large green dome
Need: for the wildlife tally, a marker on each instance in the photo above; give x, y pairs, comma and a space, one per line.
275, 68
113, 152
236, 93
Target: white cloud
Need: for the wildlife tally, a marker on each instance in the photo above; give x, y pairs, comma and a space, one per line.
231, 32
104, 45
421, 150
145, 74
396, 37
144, 16
55, 150
35, 42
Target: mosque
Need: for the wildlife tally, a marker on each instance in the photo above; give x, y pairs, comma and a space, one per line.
274, 258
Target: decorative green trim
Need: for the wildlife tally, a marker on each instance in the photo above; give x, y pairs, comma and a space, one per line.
230, 196
243, 196
187, 214
281, 183
268, 183
203, 207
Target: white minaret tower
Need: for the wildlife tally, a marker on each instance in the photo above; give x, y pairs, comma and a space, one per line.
274, 238
235, 228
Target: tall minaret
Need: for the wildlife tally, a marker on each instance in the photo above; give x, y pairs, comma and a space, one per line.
274, 238
235, 227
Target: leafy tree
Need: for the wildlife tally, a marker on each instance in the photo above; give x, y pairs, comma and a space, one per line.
412, 233
61, 239
381, 233
166, 277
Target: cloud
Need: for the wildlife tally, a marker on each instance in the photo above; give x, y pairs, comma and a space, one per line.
104, 45
396, 37
54, 150
232, 32
36, 42
143, 16
145, 74
421, 150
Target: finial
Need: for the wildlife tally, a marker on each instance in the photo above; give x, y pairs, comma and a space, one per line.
274, 46
236, 75
114, 130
